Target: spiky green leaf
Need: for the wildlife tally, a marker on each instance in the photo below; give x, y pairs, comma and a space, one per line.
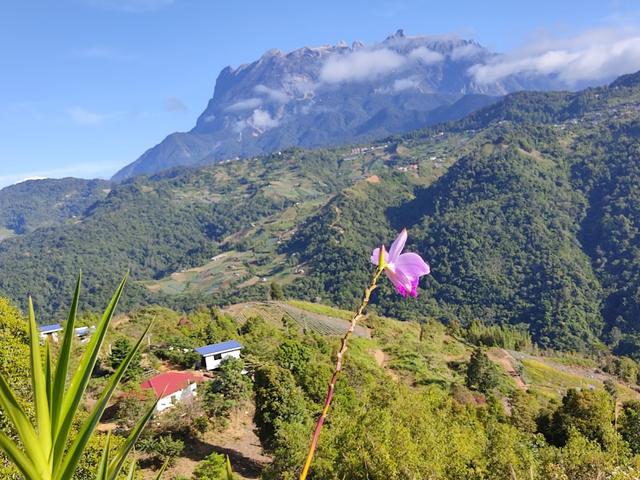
81, 378
128, 445
38, 383
62, 366
74, 453
24, 464
103, 467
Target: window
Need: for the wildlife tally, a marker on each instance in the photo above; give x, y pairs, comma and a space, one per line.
217, 356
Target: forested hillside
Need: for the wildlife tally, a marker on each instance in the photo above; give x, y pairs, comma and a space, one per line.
33, 204
527, 211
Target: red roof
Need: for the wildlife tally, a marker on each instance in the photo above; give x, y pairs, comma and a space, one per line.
165, 384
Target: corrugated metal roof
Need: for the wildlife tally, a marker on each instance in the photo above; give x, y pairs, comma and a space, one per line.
168, 383
219, 348
54, 327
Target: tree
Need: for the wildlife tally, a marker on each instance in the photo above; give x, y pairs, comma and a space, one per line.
130, 405
212, 467
482, 374
278, 399
162, 449
588, 412
629, 425
524, 410
119, 351
276, 292
294, 356
229, 387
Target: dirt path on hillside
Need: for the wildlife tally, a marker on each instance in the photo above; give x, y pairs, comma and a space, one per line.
506, 361
239, 441
382, 359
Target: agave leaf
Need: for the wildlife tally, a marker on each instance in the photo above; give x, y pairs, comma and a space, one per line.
101, 474
162, 469
38, 383
75, 452
12, 408
230, 475
118, 460
24, 464
132, 471
48, 371
64, 355
81, 378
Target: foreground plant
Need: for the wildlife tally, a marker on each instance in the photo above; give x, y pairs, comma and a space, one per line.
50, 448
404, 271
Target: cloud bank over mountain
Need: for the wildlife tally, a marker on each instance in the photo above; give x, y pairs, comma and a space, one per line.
337, 94
595, 55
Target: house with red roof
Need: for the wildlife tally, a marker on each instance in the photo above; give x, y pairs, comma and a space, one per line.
173, 387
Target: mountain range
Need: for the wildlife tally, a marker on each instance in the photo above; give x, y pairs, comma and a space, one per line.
528, 211
333, 95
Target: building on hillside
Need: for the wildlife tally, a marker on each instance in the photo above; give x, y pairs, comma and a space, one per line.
84, 333
213, 355
173, 387
50, 331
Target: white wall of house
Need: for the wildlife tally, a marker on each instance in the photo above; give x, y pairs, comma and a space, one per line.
171, 400
211, 362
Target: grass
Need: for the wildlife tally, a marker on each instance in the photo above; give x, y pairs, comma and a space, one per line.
321, 309
573, 360
553, 383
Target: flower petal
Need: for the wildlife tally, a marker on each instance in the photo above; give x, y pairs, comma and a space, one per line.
400, 281
414, 287
375, 256
397, 245
411, 265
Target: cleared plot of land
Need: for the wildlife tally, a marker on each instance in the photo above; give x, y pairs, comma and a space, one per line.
552, 379
238, 441
281, 312
228, 270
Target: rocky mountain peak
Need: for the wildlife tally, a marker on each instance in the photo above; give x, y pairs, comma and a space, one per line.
327, 95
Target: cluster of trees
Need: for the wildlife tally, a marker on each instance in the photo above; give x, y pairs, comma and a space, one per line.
379, 427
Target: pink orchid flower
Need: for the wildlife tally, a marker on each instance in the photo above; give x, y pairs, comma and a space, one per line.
403, 269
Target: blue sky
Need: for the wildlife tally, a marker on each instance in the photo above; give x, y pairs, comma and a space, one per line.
86, 86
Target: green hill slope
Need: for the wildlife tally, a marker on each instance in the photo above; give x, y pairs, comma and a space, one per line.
527, 211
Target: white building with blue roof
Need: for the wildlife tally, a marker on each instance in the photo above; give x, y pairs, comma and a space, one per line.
52, 330
213, 355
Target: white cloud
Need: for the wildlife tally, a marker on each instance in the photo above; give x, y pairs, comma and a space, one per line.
405, 84
360, 65
131, 6
465, 52
84, 117
426, 55
596, 55
239, 126
246, 104
262, 120
174, 104
275, 95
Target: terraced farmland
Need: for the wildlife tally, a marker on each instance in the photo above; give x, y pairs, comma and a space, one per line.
276, 312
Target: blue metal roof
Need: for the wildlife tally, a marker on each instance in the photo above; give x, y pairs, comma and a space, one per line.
218, 348
55, 327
